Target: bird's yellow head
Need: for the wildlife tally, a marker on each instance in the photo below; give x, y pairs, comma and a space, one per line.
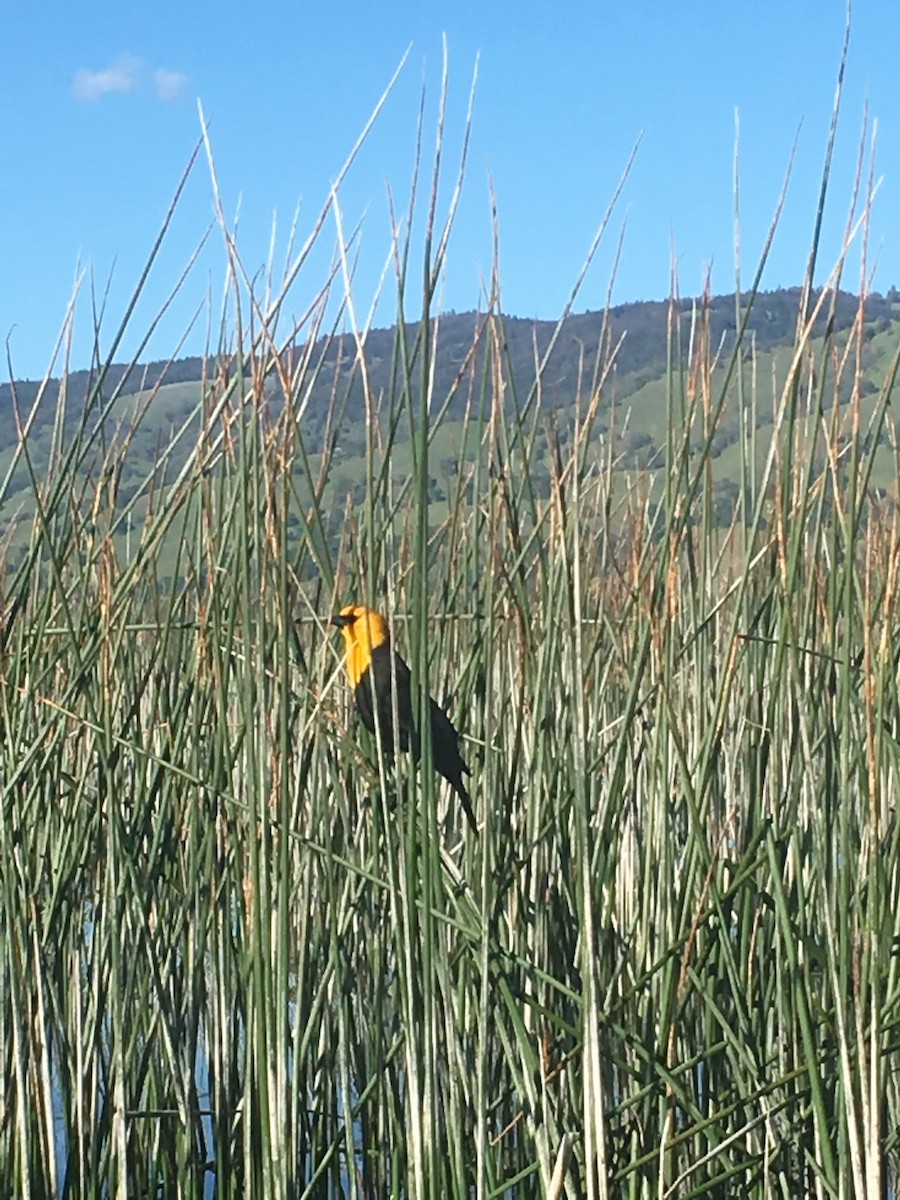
363, 630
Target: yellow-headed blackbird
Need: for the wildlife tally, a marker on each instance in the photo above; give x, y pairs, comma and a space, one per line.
368, 644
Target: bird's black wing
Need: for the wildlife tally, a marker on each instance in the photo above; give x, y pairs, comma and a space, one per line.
445, 745
362, 693
447, 759
380, 673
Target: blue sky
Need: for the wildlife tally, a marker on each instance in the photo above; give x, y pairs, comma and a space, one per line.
100, 118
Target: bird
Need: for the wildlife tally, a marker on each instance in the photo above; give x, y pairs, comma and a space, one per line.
371, 666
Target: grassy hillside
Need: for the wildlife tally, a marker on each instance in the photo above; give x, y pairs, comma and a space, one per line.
631, 423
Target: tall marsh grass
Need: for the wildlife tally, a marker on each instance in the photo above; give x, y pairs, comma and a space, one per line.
239, 956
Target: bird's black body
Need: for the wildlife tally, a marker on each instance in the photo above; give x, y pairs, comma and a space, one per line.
371, 701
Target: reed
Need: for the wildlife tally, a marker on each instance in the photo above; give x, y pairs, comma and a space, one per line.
240, 956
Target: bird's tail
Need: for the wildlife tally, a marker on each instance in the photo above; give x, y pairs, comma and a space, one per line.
466, 800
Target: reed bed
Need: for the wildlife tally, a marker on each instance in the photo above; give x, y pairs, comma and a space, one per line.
242, 957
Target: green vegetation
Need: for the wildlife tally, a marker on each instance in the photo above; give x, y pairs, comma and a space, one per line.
236, 954
168, 395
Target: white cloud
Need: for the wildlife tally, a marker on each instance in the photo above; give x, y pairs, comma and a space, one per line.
127, 74
122, 76
169, 85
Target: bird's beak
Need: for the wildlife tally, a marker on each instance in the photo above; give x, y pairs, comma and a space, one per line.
339, 621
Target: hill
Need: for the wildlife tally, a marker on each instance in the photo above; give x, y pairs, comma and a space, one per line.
639, 329
149, 403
